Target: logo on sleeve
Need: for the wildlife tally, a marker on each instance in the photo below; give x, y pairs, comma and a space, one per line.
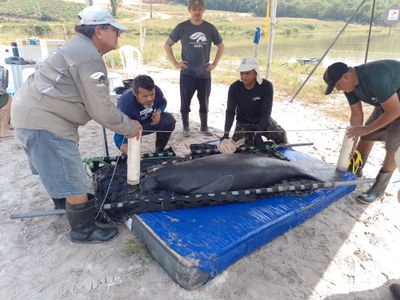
99, 78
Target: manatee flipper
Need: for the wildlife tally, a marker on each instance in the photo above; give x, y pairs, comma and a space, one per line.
149, 184
221, 184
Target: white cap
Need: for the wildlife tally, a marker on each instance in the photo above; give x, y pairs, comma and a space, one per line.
249, 63
97, 15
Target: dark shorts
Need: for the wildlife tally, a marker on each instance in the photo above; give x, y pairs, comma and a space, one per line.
167, 123
272, 132
389, 134
188, 86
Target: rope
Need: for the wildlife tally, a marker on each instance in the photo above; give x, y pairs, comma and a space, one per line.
356, 162
260, 131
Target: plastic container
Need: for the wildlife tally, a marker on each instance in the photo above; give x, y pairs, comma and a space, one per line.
14, 48
134, 156
127, 83
345, 152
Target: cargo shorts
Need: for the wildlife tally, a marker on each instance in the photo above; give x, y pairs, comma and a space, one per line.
389, 134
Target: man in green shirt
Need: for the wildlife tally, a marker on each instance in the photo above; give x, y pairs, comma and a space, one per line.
376, 83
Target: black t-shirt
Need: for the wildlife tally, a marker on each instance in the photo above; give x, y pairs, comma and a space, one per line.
250, 106
196, 43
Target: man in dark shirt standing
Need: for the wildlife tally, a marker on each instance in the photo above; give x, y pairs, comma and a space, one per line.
250, 99
196, 36
376, 83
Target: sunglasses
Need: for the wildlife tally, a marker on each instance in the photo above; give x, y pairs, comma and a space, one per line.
115, 29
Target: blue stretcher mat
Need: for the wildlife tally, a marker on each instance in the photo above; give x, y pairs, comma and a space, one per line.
195, 245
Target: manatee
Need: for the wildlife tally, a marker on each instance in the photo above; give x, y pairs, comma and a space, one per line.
227, 172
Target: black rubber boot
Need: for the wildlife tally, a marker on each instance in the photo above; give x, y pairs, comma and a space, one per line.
204, 126
395, 289
359, 172
162, 139
83, 228
377, 189
59, 203
185, 124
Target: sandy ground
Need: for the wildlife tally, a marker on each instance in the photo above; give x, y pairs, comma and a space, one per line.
348, 251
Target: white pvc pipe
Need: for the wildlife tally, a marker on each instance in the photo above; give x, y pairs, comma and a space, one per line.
345, 152
134, 156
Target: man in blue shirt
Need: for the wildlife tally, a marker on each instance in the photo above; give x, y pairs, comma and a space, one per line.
146, 103
375, 83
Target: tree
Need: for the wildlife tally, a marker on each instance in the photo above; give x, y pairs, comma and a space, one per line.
339, 10
114, 6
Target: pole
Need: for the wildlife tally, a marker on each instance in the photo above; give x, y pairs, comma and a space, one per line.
278, 188
137, 207
106, 153
326, 52
141, 26
271, 36
151, 9
216, 151
38, 213
370, 28
256, 41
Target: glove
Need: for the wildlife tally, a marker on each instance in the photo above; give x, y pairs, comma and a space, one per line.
258, 141
227, 146
181, 149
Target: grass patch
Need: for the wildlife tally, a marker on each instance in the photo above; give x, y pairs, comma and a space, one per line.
138, 249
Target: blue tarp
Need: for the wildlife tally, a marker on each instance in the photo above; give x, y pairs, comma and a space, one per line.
195, 245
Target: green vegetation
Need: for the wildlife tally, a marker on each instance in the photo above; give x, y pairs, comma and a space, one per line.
137, 248
40, 10
315, 9
298, 37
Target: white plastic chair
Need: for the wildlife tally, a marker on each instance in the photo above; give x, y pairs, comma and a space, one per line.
114, 78
132, 60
